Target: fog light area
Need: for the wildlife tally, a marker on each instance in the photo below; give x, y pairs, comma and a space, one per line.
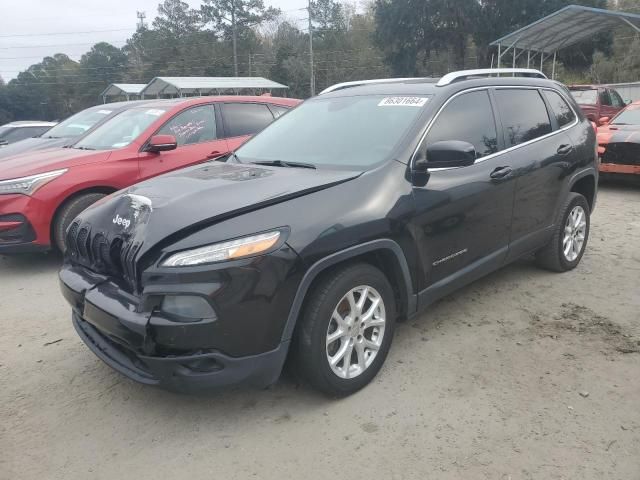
188, 306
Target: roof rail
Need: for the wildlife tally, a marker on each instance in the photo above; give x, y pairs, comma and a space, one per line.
449, 78
357, 83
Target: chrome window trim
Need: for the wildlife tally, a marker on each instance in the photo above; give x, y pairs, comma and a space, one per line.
506, 150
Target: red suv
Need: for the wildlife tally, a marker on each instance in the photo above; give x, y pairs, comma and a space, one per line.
597, 101
42, 192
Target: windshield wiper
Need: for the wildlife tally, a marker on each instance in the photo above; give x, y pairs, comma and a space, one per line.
84, 148
281, 163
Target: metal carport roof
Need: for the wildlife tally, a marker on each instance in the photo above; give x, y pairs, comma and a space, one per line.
116, 89
562, 29
205, 85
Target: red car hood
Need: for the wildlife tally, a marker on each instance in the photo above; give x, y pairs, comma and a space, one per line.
31, 163
618, 134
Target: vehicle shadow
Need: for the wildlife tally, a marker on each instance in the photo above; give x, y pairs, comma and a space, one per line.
27, 263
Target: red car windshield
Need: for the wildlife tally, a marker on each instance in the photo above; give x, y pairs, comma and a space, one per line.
120, 130
630, 116
585, 97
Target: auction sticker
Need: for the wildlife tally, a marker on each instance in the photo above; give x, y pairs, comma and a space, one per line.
403, 102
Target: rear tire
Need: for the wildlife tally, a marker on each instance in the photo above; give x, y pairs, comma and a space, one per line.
569, 241
345, 331
70, 210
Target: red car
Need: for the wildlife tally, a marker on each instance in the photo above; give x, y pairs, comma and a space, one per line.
41, 192
597, 101
619, 142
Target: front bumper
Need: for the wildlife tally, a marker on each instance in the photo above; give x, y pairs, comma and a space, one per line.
24, 224
186, 373
242, 344
619, 168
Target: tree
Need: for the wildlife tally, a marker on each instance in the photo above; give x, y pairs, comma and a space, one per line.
327, 15
102, 65
176, 20
409, 31
233, 17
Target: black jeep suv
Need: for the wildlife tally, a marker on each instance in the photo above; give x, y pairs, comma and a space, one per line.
360, 207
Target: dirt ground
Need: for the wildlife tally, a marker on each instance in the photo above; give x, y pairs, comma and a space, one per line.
525, 374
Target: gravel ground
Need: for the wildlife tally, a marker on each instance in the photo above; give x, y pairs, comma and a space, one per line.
524, 374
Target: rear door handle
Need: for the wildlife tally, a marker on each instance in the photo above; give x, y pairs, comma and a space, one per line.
501, 172
564, 149
214, 154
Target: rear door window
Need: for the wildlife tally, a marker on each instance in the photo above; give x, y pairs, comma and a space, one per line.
194, 125
245, 118
467, 118
524, 115
605, 99
560, 108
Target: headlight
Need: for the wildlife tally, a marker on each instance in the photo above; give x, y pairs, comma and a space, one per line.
28, 185
218, 252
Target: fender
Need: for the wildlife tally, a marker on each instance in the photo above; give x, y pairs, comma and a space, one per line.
338, 257
585, 172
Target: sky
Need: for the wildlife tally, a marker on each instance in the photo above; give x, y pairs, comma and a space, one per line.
33, 29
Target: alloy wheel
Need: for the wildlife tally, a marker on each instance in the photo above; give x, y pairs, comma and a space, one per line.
574, 233
355, 332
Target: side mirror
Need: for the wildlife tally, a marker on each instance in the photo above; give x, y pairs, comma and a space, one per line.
448, 153
603, 120
162, 143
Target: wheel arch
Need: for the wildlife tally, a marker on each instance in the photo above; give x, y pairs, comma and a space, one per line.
93, 189
586, 186
384, 254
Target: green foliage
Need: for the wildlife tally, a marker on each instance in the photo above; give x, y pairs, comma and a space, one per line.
244, 37
413, 32
234, 18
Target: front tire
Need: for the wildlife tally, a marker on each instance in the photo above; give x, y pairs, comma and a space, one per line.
70, 210
569, 241
346, 330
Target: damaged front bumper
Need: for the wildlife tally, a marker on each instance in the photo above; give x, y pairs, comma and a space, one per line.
138, 340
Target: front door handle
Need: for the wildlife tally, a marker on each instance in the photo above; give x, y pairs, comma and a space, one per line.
564, 149
501, 172
214, 154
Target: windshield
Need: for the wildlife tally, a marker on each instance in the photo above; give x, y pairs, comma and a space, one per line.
629, 116
77, 124
585, 97
4, 131
120, 130
350, 132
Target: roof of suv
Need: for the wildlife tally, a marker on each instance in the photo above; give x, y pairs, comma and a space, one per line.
429, 86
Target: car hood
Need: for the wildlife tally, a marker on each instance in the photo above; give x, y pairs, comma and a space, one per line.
33, 162
618, 134
32, 144
166, 208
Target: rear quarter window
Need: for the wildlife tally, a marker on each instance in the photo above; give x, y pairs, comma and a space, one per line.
562, 111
